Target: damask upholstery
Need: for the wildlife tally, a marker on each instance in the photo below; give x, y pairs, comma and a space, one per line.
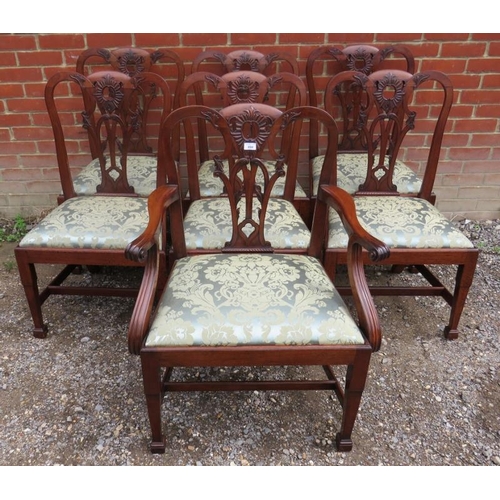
141, 174
400, 222
351, 172
208, 225
90, 222
249, 299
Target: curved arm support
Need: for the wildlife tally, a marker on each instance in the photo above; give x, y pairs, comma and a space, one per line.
159, 200
359, 238
144, 249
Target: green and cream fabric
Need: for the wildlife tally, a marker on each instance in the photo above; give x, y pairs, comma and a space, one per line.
248, 299
213, 186
351, 172
141, 174
100, 222
208, 225
400, 222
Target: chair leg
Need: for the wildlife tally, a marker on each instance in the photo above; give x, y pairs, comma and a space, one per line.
29, 280
153, 392
355, 382
465, 274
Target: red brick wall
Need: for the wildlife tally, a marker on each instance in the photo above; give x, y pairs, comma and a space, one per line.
468, 181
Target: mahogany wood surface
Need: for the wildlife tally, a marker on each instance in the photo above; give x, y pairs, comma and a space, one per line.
109, 116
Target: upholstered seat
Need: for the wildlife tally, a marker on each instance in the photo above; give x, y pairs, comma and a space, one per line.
351, 173
141, 174
248, 299
400, 222
208, 225
97, 222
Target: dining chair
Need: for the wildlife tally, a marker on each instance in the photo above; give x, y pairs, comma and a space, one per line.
249, 305
91, 230
281, 90
152, 103
397, 104
325, 62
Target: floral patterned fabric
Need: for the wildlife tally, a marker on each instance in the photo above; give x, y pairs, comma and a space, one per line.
212, 186
351, 172
141, 174
109, 222
400, 222
248, 299
208, 225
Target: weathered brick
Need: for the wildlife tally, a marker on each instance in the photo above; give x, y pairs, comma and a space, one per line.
349, 38
158, 40
62, 41
11, 90
475, 125
483, 65
300, 38
17, 42
481, 166
479, 192
109, 40
469, 153
33, 58
446, 37
18, 74
204, 39
463, 50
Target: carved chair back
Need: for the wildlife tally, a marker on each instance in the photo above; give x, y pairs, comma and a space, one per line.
327, 61
113, 110
232, 131
133, 61
388, 110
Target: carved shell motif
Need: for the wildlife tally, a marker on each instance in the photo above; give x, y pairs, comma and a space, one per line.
251, 126
108, 93
131, 63
361, 60
389, 92
243, 89
245, 61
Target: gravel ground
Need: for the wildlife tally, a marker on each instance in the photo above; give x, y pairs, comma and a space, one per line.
75, 398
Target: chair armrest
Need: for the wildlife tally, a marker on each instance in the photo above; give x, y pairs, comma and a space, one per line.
144, 249
343, 203
359, 238
158, 201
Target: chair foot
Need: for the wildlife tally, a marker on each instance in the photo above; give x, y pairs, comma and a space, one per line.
40, 333
157, 447
343, 444
450, 333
